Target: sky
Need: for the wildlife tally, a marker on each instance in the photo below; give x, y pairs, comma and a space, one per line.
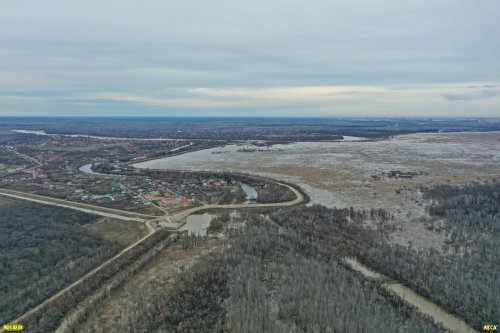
250, 58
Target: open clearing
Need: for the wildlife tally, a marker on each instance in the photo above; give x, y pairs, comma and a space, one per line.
344, 174
125, 232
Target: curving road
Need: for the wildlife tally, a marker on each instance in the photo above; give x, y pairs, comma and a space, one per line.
174, 219
174, 223
299, 198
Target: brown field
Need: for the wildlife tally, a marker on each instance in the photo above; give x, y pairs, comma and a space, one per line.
341, 174
4, 202
166, 266
125, 232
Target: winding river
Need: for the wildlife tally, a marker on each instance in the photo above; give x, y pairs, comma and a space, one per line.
98, 137
95, 136
199, 223
87, 168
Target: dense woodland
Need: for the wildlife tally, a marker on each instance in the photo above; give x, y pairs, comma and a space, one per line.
42, 249
469, 207
112, 275
464, 276
84, 299
274, 278
278, 284
283, 272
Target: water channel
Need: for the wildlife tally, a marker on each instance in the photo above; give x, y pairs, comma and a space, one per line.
87, 168
104, 137
410, 297
40, 132
198, 224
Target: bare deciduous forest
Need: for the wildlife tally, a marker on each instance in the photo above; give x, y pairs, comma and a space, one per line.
271, 278
462, 277
283, 273
250, 166
46, 246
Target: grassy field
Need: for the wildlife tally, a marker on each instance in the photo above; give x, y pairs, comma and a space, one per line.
124, 232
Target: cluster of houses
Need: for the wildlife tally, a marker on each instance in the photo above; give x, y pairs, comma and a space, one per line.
165, 200
175, 193
138, 190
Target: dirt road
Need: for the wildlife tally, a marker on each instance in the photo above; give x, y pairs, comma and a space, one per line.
299, 198
80, 280
147, 219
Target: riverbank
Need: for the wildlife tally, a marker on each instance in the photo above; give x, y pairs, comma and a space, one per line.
426, 307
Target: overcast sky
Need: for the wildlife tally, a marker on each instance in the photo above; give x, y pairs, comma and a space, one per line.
250, 58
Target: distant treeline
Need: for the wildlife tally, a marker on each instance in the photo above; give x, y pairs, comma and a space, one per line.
273, 129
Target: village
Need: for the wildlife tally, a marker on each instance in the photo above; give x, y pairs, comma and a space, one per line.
58, 167
135, 193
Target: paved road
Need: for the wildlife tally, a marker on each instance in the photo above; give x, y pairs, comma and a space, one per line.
46, 202
98, 210
173, 220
